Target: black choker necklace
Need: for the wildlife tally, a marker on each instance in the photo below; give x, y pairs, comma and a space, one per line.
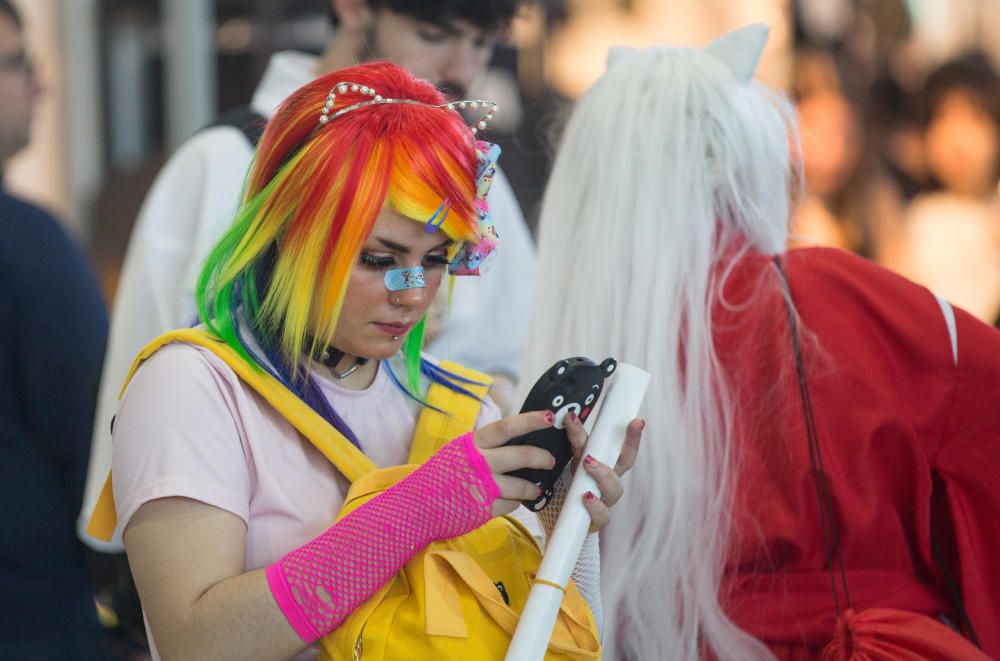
331, 358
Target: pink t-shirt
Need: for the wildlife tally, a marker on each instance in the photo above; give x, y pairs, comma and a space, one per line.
187, 426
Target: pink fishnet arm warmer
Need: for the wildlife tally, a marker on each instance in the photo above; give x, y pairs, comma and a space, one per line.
319, 584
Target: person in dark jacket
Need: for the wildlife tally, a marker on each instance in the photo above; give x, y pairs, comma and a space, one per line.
53, 327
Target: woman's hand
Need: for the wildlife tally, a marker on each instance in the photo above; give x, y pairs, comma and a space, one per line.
608, 479
504, 459
501, 460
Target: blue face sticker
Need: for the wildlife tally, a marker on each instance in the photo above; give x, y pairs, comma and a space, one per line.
405, 278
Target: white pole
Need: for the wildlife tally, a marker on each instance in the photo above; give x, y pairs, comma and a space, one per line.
621, 404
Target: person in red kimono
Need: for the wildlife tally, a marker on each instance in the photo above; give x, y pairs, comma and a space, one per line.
824, 485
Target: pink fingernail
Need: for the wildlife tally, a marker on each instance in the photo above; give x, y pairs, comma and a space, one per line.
589, 497
642, 425
571, 418
550, 417
590, 461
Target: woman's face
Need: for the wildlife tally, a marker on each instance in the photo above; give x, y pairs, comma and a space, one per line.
372, 315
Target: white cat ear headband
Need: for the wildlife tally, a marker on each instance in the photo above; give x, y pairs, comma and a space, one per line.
739, 50
470, 256
343, 88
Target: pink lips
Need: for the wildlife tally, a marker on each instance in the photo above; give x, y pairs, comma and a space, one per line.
393, 329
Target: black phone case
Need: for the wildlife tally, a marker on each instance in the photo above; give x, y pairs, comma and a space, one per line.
573, 384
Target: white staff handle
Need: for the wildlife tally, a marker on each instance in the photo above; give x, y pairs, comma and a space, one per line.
621, 405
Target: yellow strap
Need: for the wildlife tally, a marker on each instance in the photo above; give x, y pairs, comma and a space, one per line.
542, 581
343, 454
435, 428
103, 519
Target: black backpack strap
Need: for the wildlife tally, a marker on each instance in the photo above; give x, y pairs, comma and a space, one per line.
250, 122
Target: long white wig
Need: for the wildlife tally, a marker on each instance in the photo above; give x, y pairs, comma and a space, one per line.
669, 156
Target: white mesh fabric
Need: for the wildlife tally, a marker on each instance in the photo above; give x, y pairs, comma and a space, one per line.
586, 573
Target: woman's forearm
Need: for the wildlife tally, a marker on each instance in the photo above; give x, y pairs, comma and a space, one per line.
188, 560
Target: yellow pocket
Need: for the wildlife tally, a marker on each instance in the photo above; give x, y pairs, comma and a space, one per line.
457, 598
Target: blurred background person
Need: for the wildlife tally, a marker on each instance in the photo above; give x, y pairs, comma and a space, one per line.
849, 199
846, 195
950, 240
52, 332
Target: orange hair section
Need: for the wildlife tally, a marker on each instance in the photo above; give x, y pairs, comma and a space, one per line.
315, 191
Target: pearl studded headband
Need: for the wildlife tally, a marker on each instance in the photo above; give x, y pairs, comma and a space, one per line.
345, 87
471, 255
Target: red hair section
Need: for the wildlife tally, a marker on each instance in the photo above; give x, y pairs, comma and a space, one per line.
315, 191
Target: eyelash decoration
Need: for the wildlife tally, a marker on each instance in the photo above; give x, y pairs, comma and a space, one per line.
374, 262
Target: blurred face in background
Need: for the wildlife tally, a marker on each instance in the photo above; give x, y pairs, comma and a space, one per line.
963, 145
18, 90
831, 141
452, 54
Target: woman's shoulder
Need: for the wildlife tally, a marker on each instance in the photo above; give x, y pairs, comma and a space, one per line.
178, 367
178, 357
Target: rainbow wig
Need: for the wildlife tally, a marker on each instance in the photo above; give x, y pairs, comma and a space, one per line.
312, 196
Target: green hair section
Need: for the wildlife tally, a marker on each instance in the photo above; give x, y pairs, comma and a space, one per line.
413, 345
219, 295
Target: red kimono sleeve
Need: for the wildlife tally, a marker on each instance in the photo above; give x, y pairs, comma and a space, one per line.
968, 462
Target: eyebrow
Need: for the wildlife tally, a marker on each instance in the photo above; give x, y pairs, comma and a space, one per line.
405, 250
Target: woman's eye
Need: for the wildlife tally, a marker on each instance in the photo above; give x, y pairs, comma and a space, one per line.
377, 262
435, 261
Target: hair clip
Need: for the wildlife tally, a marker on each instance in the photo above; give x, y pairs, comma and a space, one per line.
437, 220
343, 88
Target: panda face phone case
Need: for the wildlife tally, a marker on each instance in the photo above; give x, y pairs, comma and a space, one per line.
571, 385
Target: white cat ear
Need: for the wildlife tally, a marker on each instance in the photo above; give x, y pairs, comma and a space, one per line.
740, 50
619, 54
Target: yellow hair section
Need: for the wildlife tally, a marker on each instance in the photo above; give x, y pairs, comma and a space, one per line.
369, 201
410, 196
